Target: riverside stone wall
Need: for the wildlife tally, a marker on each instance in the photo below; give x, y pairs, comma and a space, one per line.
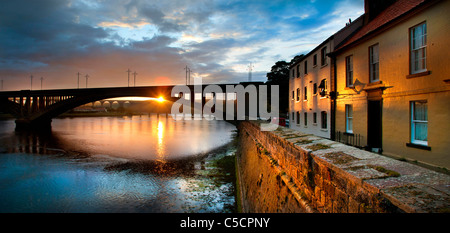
289, 171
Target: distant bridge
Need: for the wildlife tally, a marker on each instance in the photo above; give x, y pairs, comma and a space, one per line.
36, 108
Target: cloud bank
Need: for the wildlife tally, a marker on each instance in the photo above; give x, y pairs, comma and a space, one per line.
55, 39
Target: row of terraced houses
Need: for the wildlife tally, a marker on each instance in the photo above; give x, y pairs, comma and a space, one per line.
381, 83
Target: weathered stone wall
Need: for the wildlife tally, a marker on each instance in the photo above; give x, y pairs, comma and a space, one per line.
289, 171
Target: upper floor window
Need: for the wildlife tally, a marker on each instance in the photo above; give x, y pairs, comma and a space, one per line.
298, 94
293, 73
293, 95
298, 71
306, 67
306, 93
349, 71
374, 63
315, 89
323, 56
323, 88
315, 60
418, 47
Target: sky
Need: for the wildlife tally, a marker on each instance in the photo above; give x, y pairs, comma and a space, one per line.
216, 39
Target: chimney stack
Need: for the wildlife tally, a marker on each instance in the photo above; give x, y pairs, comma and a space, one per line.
374, 7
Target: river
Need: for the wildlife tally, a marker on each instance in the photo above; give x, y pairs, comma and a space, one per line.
132, 164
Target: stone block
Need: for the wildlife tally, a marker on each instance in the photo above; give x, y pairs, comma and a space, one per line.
340, 202
323, 198
317, 193
329, 188
353, 205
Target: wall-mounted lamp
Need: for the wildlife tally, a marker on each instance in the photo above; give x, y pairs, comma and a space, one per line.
358, 86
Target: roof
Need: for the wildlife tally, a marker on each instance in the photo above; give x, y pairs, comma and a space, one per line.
390, 14
340, 35
305, 56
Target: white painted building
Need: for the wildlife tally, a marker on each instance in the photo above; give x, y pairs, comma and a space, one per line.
310, 84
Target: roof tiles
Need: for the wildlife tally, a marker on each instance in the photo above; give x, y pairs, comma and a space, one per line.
391, 13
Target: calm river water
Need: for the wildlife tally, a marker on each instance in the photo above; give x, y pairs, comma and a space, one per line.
117, 164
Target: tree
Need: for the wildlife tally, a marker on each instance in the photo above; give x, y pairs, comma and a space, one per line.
279, 75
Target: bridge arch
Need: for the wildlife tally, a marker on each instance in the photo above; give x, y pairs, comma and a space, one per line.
97, 104
107, 104
37, 108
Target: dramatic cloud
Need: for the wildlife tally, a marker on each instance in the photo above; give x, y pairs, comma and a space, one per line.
55, 39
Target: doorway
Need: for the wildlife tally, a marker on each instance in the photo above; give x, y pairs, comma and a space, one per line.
374, 125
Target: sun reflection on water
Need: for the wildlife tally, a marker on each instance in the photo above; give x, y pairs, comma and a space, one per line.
161, 150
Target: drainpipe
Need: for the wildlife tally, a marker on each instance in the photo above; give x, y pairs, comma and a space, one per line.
333, 96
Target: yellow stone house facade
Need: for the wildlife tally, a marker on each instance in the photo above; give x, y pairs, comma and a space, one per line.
392, 82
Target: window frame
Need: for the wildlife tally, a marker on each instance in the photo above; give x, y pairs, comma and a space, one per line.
323, 120
306, 67
413, 123
349, 71
305, 96
305, 115
323, 56
373, 71
412, 69
348, 108
323, 88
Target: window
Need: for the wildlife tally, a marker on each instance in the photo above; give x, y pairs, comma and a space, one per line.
374, 63
306, 118
419, 122
292, 116
298, 94
298, 118
293, 95
323, 56
323, 87
349, 71
315, 89
348, 118
323, 116
298, 71
315, 118
306, 93
315, 60
418, 47
306, 67
293, 73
